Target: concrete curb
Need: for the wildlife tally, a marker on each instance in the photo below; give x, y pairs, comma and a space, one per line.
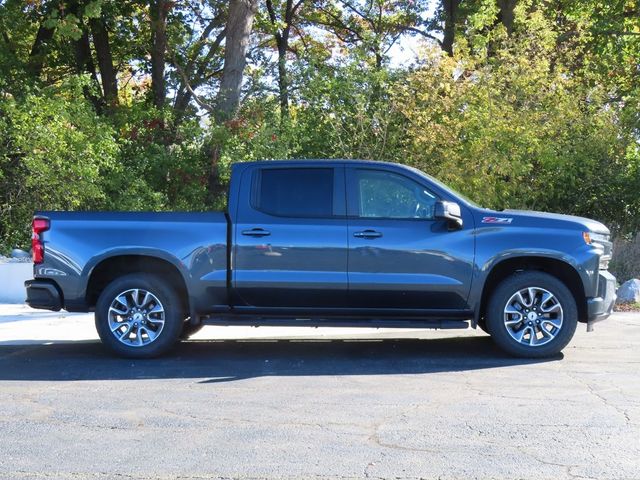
12, 278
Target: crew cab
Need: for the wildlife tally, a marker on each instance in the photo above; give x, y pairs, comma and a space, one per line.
326, 242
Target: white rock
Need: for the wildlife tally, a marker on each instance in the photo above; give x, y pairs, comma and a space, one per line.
18, 253
629, 291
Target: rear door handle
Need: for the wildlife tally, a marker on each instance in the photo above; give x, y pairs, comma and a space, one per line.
367, 234
256, 232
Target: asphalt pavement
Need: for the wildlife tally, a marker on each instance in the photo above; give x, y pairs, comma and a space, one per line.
247, 403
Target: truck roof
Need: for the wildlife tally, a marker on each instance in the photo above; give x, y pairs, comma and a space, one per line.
312, 161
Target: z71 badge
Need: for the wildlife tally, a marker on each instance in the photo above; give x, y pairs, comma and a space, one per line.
496, 220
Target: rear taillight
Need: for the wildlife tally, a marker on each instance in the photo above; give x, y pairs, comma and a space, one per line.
39, 225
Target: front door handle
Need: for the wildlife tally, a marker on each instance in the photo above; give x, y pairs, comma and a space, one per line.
367, 234
256, 232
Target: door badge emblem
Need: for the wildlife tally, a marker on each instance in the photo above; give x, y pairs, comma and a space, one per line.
496, 220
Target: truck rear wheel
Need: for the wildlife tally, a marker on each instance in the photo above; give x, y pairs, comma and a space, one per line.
139, 316
532, 314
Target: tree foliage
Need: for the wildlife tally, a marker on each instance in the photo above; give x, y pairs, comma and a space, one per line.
144, 105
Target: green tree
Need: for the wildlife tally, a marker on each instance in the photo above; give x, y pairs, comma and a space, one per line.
55, 153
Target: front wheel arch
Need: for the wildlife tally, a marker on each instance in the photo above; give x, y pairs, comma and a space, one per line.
559, 269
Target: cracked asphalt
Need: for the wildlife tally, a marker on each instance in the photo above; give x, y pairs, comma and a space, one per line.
330, 404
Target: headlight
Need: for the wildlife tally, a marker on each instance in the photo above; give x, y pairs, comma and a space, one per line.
591, 237
599, 237
602, 241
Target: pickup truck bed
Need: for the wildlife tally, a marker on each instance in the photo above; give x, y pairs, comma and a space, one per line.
195, 244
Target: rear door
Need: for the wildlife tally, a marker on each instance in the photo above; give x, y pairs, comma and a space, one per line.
290, 237
400, 257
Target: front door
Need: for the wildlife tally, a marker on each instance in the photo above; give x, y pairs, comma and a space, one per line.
400, 257
290, 238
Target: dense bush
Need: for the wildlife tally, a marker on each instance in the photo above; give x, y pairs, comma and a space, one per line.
55, 153
626, 259
161, 164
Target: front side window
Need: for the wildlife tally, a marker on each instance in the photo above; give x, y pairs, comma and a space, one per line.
389, 195
296, 192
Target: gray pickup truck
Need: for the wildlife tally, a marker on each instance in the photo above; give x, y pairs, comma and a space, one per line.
326, 243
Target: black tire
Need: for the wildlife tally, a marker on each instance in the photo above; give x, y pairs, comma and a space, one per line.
519, 282
188, 329
165, 334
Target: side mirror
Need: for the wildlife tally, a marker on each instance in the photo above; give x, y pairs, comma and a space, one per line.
449, 211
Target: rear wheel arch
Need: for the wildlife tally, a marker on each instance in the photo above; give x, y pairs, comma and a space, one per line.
114, 267
559, 269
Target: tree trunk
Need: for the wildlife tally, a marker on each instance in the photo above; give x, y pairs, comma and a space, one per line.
238, 31
159, 11
378, 56
239, 24
39, 50
215, 189
450, 13
282, 42
506, 14
183, 97
283, 80
84, 64
105, 60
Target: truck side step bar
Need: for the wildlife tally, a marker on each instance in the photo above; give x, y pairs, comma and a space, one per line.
243, 320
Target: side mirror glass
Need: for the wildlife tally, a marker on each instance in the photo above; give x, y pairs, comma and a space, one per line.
449, 211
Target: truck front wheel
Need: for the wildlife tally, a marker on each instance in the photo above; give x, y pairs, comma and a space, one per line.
138, 316
532, 314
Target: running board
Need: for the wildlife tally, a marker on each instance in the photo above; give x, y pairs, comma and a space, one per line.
242, 320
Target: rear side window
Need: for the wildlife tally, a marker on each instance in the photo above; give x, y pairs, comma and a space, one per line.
296, 192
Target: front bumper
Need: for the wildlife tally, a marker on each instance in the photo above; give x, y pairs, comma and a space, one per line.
600, 307
43, 294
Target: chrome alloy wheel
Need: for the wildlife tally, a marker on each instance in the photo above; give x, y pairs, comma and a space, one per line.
533, 316
136, 317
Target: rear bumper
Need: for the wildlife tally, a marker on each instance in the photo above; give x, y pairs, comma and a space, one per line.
600, 307
43, 294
